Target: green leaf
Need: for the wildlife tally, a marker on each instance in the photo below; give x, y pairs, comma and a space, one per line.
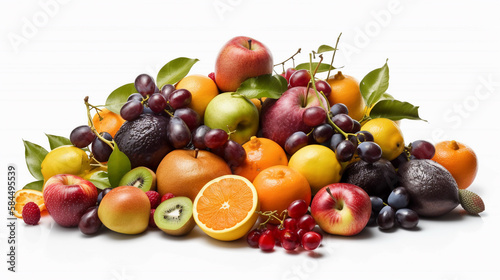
118, 165
34, 155
100, 179
57, 141
375, 84
323, 67
36, 185
174, 71
325, 48
394, 110
263, 86
118, 97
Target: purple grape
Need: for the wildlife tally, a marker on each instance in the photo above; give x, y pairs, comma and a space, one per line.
189, 116
422, 149
399, 198
82, 136
178, 133
135, 96
166, 90
407, 218
179, 98
338, 108
296, 141
131, 110
89, 222
199, 137
215, 138
101, 150
314, 116
234, 153
145, 84
157, 102
386, 218
343, 121
323, 87
369, 151
323, 133
345, 151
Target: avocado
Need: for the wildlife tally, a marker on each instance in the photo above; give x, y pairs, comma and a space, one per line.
433, 191
144, 140
377, 179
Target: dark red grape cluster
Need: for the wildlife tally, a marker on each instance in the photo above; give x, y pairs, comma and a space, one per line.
295, 230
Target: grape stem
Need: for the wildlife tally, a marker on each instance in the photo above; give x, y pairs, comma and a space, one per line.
272, 215
291, 57
333, 56
91, 123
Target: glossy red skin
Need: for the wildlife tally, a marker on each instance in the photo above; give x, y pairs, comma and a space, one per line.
282, 117
67, 197
236, 62
353, 202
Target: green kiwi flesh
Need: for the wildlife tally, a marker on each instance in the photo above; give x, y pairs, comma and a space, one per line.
174, 216
140, 177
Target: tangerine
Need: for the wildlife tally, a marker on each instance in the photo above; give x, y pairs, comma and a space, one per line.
345, 90
459, 159
202, 89
107, 121
280, 185
261, 154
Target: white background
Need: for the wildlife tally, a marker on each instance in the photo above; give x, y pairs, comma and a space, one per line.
443, 56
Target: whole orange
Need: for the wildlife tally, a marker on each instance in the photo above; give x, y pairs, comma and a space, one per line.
459, 159
185, 172
203, 90
345, 90
261, 154
107, 121
278, 186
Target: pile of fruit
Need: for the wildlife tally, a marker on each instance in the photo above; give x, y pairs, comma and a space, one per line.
281, 159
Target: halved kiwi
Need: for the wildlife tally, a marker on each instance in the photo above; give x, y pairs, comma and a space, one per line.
174, 216
140, 177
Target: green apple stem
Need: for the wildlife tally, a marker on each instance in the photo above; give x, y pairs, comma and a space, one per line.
333, 56
91, 124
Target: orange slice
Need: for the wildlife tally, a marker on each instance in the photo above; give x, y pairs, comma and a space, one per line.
225, 208
23, 196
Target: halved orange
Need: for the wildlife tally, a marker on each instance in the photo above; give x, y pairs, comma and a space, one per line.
23, 196
225, 208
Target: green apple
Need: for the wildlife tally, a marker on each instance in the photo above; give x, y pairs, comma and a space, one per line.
235, 113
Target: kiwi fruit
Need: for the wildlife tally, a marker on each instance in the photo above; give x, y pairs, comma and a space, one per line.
140, 177
174, 216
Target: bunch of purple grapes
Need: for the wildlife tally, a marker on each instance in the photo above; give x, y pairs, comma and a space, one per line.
394, 212
185, 129
346, 139
83, 136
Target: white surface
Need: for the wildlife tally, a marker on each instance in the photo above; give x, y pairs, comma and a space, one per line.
443, 56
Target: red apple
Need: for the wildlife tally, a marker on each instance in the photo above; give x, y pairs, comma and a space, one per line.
342, 209
239, 59
67, 197
282, 117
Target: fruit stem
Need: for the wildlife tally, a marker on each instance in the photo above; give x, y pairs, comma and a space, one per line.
291, 57
91, 124
331, 195
250, 44
333, 56
454, 145
196, 151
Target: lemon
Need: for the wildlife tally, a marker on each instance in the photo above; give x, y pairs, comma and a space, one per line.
65, 160
318, 164
387, 135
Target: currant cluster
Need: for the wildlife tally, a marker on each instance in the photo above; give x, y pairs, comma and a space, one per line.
419, 149
295, 230
394, 212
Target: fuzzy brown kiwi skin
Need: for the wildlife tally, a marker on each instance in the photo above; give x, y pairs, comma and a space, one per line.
185, 229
